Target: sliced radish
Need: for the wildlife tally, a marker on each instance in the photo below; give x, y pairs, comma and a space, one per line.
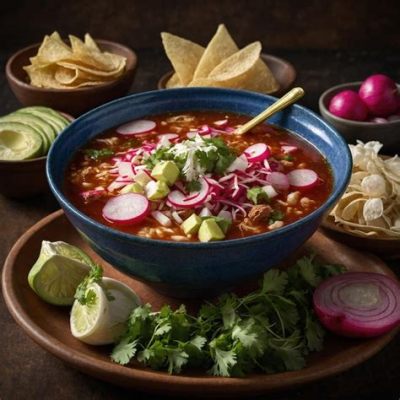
117, 184
129, 208
257, 152
302, 179
136, 127
278, 180
125, 169
204, 130
239, 164
179, 199
161, 218
169, 136
93, 194
177, 217
289, 149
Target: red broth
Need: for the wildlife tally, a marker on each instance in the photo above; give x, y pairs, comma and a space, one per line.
94, 167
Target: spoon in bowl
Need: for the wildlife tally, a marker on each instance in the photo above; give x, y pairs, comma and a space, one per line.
289, 98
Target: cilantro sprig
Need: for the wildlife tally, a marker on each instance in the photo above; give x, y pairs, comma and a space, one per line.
97, 154
271, 329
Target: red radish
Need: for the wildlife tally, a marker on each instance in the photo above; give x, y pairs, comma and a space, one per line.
117, 184
380, 94
205, 212
302, 179
136, 127
169, 136
225, 215
257, 152
270, 191
348, 104
378, 120
93, 194
161, 218
289, 149
124, 209
204, 130
278, 180
180, 200
125, 169
358, 304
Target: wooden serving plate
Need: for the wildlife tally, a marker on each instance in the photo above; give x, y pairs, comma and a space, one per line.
49, 325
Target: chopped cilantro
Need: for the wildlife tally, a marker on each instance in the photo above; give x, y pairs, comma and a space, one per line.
193, 186
96, 154
276, 215
287, 157
257, 195
271, 329
88, 297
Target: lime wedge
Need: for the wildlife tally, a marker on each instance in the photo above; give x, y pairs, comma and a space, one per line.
58, 271
102, 320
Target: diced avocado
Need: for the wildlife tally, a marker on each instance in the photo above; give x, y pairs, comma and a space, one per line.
19, 142
156, 190
192, 224
142, 178
210, 230
223, 223
165, 171
132, 188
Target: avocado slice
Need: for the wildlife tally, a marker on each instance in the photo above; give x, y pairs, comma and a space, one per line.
19, 142
52, 112
53, 119
45, 130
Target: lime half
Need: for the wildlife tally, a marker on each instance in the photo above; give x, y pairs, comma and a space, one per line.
102, 319
58, 271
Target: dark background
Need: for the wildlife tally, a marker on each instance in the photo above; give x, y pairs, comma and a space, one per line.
328, 42
279, 24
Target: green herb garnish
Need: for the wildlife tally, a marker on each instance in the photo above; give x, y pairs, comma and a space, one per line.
88, 297
193, 186
257, 195
96, 154
276, 215
271, 329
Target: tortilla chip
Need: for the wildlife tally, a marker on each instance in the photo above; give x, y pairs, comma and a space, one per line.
91, 44
220, 47
183, 54
173, 82
51, 50
235, 68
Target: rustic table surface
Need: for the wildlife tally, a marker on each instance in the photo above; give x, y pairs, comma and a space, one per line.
27, 371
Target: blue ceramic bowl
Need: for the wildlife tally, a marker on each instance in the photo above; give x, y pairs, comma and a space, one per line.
195, 269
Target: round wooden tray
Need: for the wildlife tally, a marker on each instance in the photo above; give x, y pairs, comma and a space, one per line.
49, 325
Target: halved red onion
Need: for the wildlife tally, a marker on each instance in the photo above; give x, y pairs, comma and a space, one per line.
257, 152
124, 209
278, 180
302, 178
136, 127
358, 304
180, 200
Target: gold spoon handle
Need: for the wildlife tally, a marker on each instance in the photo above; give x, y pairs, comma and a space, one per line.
289, 98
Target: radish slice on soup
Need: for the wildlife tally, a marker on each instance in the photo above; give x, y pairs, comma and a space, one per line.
130, 208
257, 152
193, 199
278, 180
136, 127
302, 179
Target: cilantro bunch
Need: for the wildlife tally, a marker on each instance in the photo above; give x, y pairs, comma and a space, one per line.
271, 329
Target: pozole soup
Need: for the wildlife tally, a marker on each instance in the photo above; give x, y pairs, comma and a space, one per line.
187, 177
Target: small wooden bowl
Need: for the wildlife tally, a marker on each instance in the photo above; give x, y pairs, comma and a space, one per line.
386, 133
24, 178
385, 247
72, 101
283, 71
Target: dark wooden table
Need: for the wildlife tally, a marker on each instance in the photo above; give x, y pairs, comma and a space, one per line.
27, 371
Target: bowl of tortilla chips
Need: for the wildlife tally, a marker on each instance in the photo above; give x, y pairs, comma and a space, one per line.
75, 76
222, 64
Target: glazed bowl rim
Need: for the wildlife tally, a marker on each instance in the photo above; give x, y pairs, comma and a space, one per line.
339, 187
